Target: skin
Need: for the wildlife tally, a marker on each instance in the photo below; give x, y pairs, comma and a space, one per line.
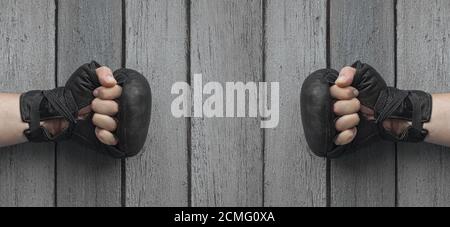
347, 108
104, 108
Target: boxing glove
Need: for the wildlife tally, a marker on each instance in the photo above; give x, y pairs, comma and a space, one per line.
319, 118
66, 102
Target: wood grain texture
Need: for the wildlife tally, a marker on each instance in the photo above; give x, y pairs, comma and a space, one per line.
87, 30
364, 30
227, 161
157, 46
423, 64
27, 53
295, 47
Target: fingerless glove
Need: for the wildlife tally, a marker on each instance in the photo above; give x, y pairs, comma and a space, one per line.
66, 102
387, 102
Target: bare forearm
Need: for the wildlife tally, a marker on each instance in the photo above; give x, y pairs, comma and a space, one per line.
439, 126
11, 125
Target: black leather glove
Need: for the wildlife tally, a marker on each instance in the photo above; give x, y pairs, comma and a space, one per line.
387, 102
66, 102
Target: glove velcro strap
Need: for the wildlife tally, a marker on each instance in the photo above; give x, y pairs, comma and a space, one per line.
35, 133
413, 106
38, 106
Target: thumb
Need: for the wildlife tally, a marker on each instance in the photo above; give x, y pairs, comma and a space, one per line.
346, 77
106, 78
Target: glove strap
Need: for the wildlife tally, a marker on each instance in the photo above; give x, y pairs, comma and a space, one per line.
37, 106
35, 132
393, 101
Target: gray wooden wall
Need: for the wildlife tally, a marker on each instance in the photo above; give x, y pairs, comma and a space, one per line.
224, 162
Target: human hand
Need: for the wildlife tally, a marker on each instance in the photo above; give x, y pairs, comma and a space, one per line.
105, 107
347, 106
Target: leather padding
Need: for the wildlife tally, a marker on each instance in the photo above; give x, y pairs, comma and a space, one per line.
317, 114
134, 111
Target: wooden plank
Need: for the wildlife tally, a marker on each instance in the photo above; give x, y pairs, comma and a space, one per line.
423, 44
87, 30
27, 53
293, 177
227, 160
157, 46
364, 30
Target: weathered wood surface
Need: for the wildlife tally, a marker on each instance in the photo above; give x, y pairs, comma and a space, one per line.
27, 53
424, 64
87, 30
157, 45
295, 47
227, 153
229, 161
364, 30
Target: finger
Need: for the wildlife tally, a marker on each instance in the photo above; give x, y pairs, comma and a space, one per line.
343, 93
346, 77
105, 107
347, 122
105, 122
105, 76
106, 137
108, 93
347, 107
346, 137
